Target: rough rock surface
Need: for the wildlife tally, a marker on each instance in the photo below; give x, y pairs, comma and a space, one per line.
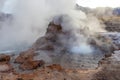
30, 65
52, 42
69, 66
109, 69
4, 58
113, 26
55, 67
26, 60
5, 65
5, 68
112, 23
115, 38
25, 56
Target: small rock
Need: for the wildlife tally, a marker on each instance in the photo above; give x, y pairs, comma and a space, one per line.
25, 56
55, 67
108, 55
4, 58
5, 67
30, 65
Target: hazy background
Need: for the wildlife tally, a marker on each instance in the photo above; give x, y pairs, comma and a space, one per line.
99, 3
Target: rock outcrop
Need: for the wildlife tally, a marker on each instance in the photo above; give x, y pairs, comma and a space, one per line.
25, 56
110, 68
5, 65
31, 65
52, 42
4, 58
69, 66
27, 62
113, 25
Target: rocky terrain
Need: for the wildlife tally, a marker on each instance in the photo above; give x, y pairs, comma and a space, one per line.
112, 23
108, 16
108, 69
50, 59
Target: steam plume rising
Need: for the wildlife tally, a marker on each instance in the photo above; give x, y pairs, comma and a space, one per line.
31, 18
80, 28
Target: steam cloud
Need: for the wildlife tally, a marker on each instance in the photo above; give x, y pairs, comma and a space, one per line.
80, 28
30, 21
31, 18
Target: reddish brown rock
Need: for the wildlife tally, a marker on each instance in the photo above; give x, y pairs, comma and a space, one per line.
29, 65
48, 41
4, 58
25, 56
108, 55
5, 67
55, 67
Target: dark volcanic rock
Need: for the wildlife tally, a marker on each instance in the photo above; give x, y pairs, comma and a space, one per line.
4, 58
5, 65
112, 23
112, 26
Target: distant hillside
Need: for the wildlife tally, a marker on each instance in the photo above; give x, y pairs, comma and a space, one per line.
84, 9
116, 11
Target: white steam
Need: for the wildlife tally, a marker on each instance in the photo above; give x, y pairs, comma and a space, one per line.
30, 20
1, 3
82, 48
80, 28
9, 6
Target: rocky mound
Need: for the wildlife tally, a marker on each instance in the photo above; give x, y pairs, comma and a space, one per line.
5, 65
57, 50
50, 49
50, 59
